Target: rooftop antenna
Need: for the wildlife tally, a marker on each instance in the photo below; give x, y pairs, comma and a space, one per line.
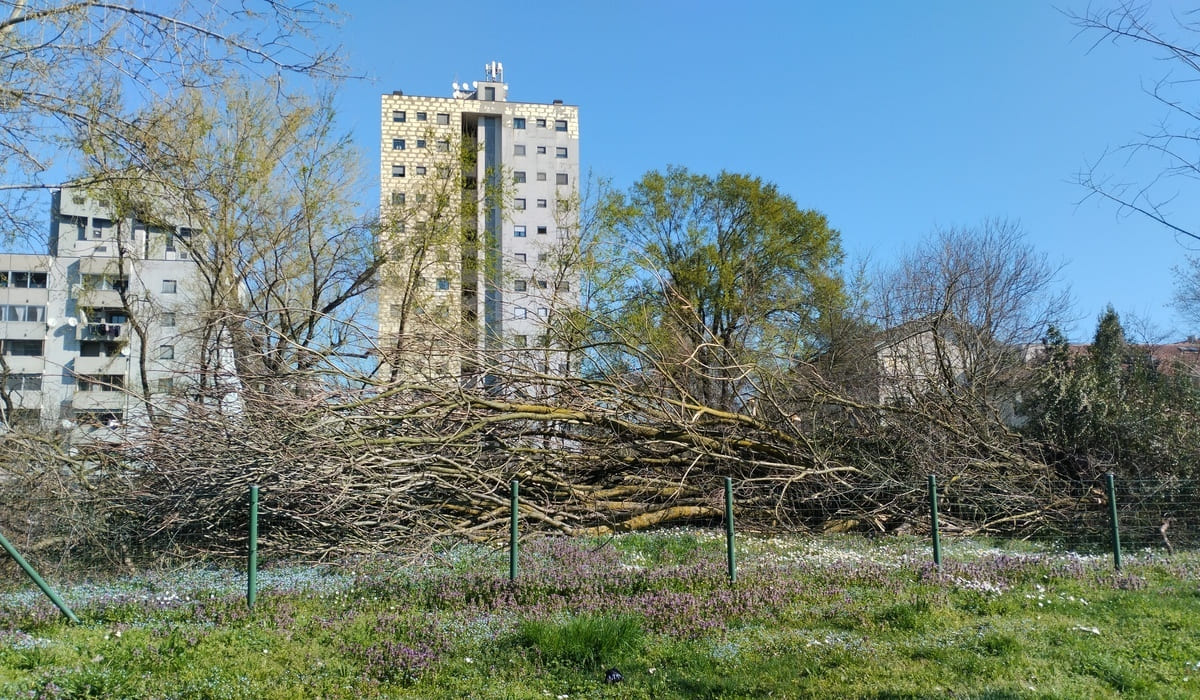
494, 71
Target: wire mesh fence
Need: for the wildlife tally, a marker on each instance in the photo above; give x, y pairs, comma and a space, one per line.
1155, 513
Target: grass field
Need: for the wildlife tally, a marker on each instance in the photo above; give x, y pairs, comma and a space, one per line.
807, 618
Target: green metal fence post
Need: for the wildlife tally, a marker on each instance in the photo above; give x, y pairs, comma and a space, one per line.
933, 520
252, 561
729, 530
512, 533
1112, 514
12, 552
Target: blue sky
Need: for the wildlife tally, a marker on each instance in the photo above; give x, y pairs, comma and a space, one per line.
894, 119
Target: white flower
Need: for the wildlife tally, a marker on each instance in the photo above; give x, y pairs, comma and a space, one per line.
651, 670
469, 660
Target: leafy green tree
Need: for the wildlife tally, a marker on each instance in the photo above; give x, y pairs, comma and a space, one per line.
719, 278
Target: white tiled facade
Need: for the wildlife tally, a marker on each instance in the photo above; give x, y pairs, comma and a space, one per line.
71, 357
482, 196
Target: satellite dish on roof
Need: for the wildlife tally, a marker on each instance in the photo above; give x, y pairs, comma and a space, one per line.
72, 321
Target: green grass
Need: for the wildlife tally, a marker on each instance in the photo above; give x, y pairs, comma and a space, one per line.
835, 617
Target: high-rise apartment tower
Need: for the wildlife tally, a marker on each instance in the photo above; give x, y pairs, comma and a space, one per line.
479, 197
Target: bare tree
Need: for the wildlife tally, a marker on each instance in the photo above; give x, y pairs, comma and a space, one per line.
75, 66
974, 298
1168, 151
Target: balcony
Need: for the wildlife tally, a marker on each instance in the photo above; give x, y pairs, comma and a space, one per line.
98, 298
99, 400
104, 266
100, 331
101, 365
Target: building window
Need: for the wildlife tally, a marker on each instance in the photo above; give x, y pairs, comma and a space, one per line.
443, 172
543, 257
443, 118
166, 352
421, 116
563, 233
541, 123
398, 198
563, 287
443, 284
520, 312
541, 177
168, 287
443, 255
520, 286
519, 149
397, 144
489, 93
518, 122
541, 150
397, 171
443, 146
100, 382
543, 312
165, 385
560, 179
520, 341
541, 204
519, 176
519, 203
421, 198
541, 230
23, 348
167, 320
420, 169
560, 124
543, 284
519, 231
19, 382
32, 280
399, 115
543, 341
519, 257
560, 152
420, 143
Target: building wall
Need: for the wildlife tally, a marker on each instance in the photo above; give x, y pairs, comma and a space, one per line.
495, 185
71, 354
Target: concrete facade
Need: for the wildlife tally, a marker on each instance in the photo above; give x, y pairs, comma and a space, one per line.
480, 198
72, 356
